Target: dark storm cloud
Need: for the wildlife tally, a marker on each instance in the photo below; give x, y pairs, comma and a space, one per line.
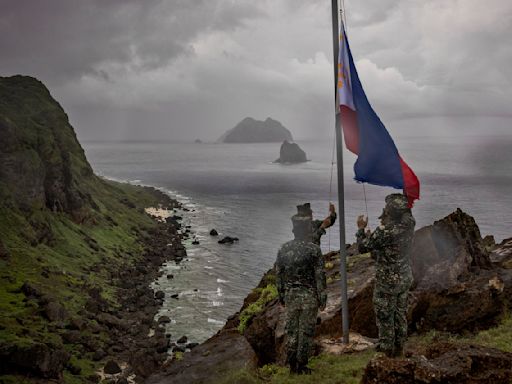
194, 68
64, 39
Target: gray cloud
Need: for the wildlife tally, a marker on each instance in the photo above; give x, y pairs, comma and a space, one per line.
186, 69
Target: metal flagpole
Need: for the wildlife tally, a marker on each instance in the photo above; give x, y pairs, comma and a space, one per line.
341, 186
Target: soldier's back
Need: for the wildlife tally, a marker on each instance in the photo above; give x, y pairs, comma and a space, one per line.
296, 262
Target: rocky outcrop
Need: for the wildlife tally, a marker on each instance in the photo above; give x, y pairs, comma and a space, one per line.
474, 299
43, 165
250, 130
291, 153
222, 354
444, 363
36, 358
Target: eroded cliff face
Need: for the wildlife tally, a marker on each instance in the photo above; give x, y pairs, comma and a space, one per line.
41, 161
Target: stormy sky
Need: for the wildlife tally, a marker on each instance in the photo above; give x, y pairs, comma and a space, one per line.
186, 69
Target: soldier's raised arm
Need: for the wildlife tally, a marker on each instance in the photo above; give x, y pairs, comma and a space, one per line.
378, 239
321, 283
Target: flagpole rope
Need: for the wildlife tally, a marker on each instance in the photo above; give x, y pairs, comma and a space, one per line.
366, 204
330, 183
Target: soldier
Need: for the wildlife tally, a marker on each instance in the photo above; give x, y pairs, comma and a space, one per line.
301, 287
319, 226
390, 246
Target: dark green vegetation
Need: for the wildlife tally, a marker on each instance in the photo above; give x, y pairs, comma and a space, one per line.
60, 227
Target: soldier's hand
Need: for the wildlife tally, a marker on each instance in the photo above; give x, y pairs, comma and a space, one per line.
362, 222
332, 209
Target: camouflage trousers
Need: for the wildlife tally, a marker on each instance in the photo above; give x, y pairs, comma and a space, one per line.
391, 314
301, 311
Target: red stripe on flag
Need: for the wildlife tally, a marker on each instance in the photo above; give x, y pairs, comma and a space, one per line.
411, 183
350, 129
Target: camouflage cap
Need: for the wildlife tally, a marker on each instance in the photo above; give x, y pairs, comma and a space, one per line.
304, 210
397, 202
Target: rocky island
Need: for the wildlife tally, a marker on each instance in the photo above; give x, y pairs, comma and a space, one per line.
250, 130
291, 153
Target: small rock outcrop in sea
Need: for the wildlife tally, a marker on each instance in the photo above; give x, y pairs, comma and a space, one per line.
228, 240
291, 153
250, 130
214, 232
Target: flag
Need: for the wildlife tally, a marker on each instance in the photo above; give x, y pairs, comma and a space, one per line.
378, 161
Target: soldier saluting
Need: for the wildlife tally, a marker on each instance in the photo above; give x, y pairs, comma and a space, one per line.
390, 246
301, 287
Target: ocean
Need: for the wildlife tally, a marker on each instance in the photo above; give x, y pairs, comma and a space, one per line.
239, 191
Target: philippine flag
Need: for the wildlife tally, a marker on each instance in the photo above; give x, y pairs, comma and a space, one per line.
378, 161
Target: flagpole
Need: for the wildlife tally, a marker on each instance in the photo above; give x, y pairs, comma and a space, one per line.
341, 186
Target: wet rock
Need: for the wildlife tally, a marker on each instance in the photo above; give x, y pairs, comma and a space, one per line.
195, 242
182, 340
122, 380
159, 295
111, 368
175, 296
192, 345
164, 320
228, 240
214, 232
444, 363
170, 276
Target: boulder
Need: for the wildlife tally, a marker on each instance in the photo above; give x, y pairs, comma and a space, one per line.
291, 153
182, 340
164, 320
39, 359
224, 353
443, 363
228, 240
111, 368
214, 232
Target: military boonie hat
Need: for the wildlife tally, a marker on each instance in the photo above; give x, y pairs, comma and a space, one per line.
304, 213
397, 201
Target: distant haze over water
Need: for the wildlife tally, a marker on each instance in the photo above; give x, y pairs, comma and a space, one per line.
236, 189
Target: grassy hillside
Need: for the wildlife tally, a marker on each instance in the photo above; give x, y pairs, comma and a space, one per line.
64, 233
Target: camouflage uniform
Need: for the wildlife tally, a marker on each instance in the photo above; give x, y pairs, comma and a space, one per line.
318, 231
390, 245
301, 287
